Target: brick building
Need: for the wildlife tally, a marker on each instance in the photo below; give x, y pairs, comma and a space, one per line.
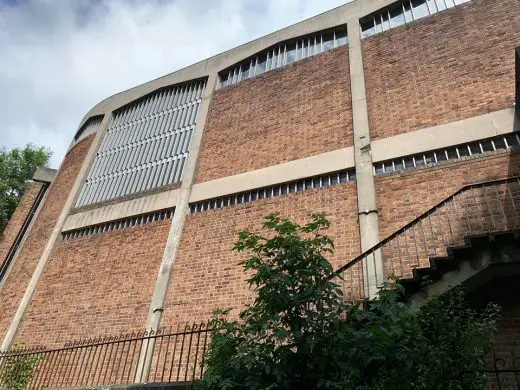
397, 119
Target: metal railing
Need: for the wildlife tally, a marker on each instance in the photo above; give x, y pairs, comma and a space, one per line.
174, 356
475, 210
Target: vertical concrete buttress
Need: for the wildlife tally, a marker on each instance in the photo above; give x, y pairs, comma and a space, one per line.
69, 204
366, 193
174, 236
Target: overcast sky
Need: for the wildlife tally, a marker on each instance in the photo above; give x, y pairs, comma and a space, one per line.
58, 58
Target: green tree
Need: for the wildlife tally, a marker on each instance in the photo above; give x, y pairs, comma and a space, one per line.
17, 166
301, 334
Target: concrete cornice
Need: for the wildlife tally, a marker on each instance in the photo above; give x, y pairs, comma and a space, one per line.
44, 175
337, 16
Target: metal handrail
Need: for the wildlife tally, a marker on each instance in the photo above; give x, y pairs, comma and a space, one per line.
374, 268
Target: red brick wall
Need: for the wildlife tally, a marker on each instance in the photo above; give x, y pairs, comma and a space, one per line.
15, 223
294, 112
401, 197
454, 65
96, 285
207, 274
22, 269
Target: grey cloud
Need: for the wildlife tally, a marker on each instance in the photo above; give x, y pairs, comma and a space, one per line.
59, 58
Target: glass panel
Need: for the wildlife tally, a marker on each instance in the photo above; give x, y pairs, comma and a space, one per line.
420, 9
419, 160
291, 53
407, 12
328, 41
262, 59
284, 189
398, 165
475, 148
452, 153
343, 177
408, 162
463, 151
396, 16
379, 169
368, 29
244, 74
300, 186
430, 158
316, 182
441, 5
511, 140
385, 18
224, 80
487, 146
450, 3
441, 155
499, 143
432, 6
341, 38
303, 47
379, 28
334, 179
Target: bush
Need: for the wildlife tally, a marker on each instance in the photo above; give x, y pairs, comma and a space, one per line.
17, 370
300, 334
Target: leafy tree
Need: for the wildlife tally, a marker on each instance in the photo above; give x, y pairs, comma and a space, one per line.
17, 166
301, 334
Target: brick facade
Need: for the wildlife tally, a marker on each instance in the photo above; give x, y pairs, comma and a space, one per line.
401, 197
15, 223
95, 286
207, 274
297, 111
22, 269
442, 68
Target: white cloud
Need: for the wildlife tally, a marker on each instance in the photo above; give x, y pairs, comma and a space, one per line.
59, 58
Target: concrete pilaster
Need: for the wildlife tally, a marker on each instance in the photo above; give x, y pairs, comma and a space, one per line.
69, 204
172, 245
366, 193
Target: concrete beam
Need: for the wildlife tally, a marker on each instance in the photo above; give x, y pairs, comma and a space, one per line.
42, 262
44, 175
442, 136
129, 208
366, 193
282, 173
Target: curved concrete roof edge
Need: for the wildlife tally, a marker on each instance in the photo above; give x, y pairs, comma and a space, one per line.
328, 19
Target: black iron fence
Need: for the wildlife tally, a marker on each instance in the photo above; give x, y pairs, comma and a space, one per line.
167, 355
503, 371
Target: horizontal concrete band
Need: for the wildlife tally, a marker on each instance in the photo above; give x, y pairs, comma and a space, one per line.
338, 16
320, 164
129, 208
442, 136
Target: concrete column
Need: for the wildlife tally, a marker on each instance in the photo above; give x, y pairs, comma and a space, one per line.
172, 245
69, 204
366, 193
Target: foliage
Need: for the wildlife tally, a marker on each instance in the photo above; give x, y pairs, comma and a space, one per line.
300, 334
17, 166
17, 370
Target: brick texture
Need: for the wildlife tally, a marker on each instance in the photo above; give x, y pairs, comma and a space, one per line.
451, 66
97, 285
15, 223
22, 269
207, 275
401, 197
297, 111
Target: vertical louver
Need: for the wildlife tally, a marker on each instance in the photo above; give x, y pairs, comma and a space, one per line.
146, 145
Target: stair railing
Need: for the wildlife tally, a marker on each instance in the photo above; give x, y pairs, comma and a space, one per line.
478, 209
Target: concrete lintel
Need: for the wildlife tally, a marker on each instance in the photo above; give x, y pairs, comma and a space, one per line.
293, 170
442, 136
44, 175
129, 208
